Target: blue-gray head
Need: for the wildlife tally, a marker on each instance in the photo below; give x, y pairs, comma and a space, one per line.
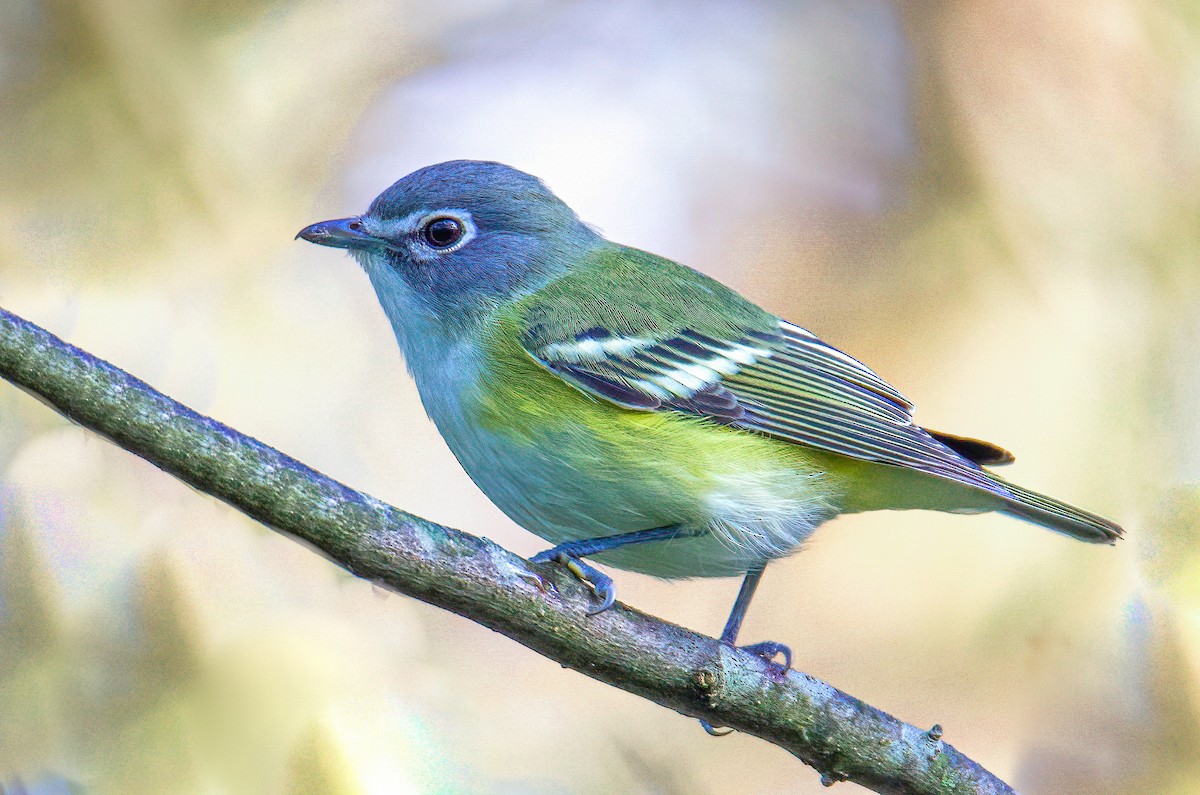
448, 242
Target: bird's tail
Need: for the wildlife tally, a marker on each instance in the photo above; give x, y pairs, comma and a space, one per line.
1058, 516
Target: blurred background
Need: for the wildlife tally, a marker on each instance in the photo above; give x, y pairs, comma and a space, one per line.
994, 204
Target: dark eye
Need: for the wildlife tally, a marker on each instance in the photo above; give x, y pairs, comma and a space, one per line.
442, 232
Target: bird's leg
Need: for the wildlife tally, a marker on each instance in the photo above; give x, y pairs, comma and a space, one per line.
768, 650
572, 553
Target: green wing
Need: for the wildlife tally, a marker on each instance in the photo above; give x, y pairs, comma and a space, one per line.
649, 334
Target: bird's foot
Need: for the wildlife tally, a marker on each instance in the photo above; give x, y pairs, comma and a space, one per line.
600, 583
768, 650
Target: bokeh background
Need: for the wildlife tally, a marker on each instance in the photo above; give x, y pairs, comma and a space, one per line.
995, 204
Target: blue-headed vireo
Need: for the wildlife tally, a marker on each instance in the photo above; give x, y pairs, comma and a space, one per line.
630, 409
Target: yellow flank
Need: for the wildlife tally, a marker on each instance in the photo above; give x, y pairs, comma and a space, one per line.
521, 400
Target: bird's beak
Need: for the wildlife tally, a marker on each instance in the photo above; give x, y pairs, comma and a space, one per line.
339, 233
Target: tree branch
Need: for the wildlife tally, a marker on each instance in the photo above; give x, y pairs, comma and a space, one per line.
538, 606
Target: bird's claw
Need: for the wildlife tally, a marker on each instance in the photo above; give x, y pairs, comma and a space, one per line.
715, 731
600, 583
769, 650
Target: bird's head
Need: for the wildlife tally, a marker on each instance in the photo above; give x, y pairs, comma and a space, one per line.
451, 241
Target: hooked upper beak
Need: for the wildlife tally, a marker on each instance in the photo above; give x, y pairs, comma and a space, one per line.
339, 233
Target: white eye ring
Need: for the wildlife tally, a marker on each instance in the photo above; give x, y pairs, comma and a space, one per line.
444, 231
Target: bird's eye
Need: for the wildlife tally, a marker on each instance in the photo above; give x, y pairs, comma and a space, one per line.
442, 232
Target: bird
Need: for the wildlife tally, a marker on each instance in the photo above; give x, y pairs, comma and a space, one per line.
636, 413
